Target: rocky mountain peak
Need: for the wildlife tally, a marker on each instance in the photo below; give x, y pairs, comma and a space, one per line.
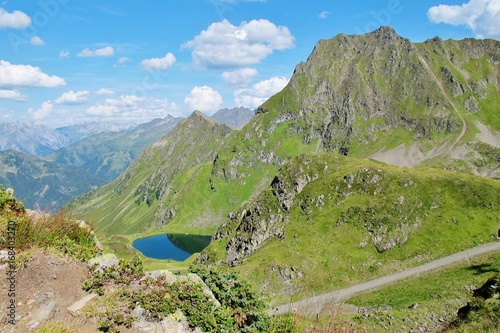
385, 33
198, 116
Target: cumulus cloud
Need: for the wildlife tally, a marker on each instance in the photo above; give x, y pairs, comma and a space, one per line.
132, 108
224, 45
159, 64
26, 76
123, 60
240, 77
64, 54
15, 20
37, 41
203, 99
105, 92
324, 14
480, 16
73, 98
12, 94
260, 92
107, 51
44, 111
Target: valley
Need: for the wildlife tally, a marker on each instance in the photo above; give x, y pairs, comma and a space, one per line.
379, 161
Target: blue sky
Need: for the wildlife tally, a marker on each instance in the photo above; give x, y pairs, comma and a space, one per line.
71, 61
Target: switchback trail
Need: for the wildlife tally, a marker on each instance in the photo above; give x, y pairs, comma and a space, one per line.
315, 305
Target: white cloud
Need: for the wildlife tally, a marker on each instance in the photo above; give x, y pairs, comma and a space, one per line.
105, 92
132, 108
44, 111
37, 41
64, 54
260, 92
240, 77
16, 19
26, 76
203, 99
123, 60
324, 14
107, 51
481, 16
159, 64
224, 45
73, 98
12, 94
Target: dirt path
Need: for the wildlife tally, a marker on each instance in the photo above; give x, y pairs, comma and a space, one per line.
315, 305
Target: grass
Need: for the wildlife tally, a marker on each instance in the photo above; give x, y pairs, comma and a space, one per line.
57, 232
439, 293
53, 327
441, 213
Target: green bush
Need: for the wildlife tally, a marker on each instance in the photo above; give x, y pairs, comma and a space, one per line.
482, 313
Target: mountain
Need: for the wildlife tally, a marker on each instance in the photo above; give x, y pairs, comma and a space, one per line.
107, 154
30, 138
375, 96
379, 95
40, 184
235, 118
328, 221
37, 139
77, 132
145, 188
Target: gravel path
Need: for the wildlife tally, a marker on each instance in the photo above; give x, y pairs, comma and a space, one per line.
315, 305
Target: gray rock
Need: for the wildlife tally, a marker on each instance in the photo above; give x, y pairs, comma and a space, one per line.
168, 324
4, 256
45, 313
195, 278
77, 306
106, 260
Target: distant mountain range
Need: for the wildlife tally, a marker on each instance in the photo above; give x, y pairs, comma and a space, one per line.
235, 118
43, 185
77, 132
107, 155
36, 139
95, 153
31, 138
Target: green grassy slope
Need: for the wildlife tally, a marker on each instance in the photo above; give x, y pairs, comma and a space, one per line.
134, 202
329, 221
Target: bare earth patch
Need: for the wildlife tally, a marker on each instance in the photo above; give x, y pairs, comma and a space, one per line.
487, 135
45, 287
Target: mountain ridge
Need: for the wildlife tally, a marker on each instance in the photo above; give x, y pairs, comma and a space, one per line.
358, 96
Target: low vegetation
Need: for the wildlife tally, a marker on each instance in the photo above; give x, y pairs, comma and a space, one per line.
56, 232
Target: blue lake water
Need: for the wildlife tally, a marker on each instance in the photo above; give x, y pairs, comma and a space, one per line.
171, 246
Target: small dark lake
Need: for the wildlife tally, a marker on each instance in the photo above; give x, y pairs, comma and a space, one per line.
171, 246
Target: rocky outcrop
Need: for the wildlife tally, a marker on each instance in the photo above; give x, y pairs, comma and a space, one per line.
258, 224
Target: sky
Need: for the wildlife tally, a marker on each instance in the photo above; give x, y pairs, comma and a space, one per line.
64, 62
